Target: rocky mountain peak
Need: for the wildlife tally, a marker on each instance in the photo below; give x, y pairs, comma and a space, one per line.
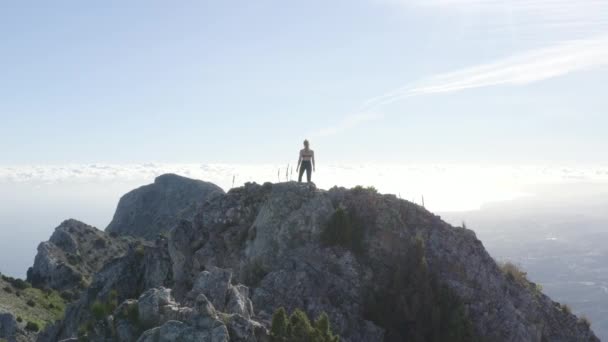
155, 208
381, 268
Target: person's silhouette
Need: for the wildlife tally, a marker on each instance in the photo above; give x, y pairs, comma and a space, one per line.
306, 162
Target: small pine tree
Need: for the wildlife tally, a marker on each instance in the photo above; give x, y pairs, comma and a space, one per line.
323, 330
280, 324
298, 328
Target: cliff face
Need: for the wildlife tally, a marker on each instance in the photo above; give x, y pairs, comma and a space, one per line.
154, 209
380, 267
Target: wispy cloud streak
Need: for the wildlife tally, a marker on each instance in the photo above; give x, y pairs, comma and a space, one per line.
530, 67
589, 17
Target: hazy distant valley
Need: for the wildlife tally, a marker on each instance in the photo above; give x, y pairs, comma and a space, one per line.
563, 246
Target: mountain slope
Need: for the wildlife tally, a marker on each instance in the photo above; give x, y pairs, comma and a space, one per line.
380, 267
20, 305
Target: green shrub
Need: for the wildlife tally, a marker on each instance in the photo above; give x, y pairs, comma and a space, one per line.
112, 301
7, 289
253, 272
19, 319
98, 310
140, 251
32, 326
298, 328
343, 229
31, 303
566, 309
17, 283
66, 295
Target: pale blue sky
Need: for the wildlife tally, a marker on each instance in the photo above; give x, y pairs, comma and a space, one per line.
246, 81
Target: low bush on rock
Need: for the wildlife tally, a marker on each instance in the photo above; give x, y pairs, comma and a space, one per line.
31, 326
513, 272
585, 321
298, 328
100, 309
17, 283
343, 229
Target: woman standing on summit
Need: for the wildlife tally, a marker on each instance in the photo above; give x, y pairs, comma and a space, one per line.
306, 162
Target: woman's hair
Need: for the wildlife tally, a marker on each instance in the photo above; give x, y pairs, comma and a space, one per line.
306, 142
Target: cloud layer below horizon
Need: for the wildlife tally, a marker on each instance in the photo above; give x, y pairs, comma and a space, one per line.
446, 187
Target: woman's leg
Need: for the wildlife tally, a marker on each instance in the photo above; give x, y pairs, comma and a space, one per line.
308, 172
301, 172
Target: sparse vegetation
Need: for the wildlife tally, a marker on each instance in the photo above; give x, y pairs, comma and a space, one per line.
67, 295
298, 328
585, 321
17, 283
344, 229
30, 304
74, 259
516, 274
140, 251
416, 307
566, 309
100, 309
370, 189
513, 272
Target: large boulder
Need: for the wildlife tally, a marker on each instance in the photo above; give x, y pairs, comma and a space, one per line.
154, 209
8, 326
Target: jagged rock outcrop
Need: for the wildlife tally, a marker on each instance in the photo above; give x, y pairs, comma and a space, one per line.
157, 316
154, 209
144, 266
260, 247
8, 326
72, 255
